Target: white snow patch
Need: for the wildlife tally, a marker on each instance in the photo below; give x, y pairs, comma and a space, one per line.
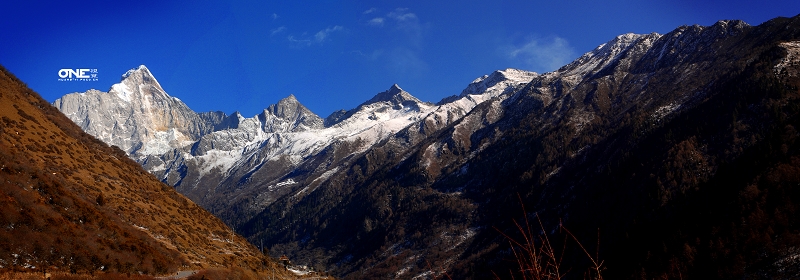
554, 172
285, 183
223, 160
160, 167
281, 184
122, 91
163, 142
424, 275
299, 270
324, 176
665, 110
402, 271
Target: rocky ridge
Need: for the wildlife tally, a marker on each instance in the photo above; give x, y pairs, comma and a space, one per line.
565, 145
384, 189
223, 160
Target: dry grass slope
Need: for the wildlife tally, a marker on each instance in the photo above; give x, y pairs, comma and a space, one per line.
70, 203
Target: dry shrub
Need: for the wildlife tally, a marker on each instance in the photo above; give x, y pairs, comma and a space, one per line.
537, 259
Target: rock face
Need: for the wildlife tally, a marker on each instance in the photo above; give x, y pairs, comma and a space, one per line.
635, 136
135, 115
290, 115
235, 166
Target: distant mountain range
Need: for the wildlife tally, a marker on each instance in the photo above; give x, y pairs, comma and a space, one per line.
236, 166
676, 151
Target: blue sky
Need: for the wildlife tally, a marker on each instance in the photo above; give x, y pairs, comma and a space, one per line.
245, 55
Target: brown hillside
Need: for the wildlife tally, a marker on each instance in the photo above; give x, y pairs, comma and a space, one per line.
71, 203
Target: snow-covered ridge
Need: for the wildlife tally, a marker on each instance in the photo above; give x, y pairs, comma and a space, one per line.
215, 150
504, 78
270, 138
174, 142
607, 53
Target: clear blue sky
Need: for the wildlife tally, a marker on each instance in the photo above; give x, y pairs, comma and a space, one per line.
244, 56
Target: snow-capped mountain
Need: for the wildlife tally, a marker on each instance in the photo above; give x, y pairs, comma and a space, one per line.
617, 140
135, 115
226, 161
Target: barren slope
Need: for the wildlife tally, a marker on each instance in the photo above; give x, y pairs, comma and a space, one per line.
72, 203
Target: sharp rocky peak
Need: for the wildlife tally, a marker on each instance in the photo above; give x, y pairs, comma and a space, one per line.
140, 75
290, 98
140, 69
480, 85
137, 82
288, 107
291, 110
395, 95
136, 115
395, 88
288, 102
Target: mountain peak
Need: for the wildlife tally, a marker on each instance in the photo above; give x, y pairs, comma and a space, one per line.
395, 95
626, 38
507, 74
395, 88
289, 100
130, 85
730, 27
140, 76
286, 106
141, 69
505, 78
290, 109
